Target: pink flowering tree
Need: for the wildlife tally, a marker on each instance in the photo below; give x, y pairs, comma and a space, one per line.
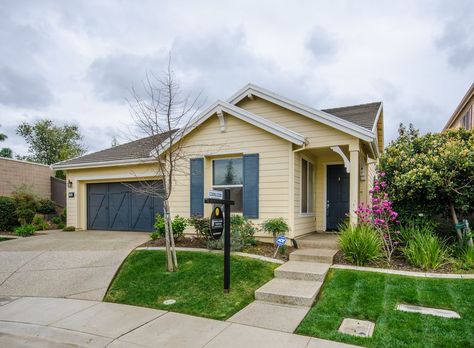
381, 216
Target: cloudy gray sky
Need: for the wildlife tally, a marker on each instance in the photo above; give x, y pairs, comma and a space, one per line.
76, 61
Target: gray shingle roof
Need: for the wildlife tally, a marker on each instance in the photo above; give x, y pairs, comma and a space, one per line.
140, 148
362, 115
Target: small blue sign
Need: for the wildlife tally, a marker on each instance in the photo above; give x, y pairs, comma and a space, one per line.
281, 240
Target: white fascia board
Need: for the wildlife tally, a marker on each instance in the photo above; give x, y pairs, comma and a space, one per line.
317, 115
244, 115
59, 166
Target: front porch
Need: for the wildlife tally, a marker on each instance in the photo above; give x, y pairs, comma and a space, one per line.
329, 184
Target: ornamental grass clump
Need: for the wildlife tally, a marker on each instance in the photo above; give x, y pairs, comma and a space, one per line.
360, 244
381, 216
426, 251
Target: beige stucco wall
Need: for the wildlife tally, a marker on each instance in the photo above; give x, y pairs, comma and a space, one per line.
14, 173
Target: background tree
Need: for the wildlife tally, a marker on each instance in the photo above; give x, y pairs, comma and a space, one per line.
5, 151
163, 114
49, 143
432, 173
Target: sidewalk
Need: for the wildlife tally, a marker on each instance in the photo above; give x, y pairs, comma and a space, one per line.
57, 322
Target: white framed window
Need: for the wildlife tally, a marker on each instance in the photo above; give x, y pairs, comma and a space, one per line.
307, 176
227, 173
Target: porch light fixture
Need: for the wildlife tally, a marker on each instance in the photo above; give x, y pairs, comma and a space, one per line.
69, 183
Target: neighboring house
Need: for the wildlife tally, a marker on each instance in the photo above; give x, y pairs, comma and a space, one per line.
38, 177
463, 115
279, 158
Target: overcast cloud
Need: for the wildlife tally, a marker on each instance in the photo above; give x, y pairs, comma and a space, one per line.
77, 61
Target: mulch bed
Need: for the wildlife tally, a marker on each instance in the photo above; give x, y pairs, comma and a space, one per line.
262, 249
398, 263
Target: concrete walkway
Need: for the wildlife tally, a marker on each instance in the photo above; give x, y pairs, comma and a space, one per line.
55, 322
64, 264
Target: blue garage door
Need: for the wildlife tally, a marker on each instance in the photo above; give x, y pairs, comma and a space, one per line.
118, 207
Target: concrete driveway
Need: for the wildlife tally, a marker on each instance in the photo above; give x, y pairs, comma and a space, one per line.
64, 264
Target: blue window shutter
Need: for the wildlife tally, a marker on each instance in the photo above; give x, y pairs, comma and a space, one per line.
197, 186
250, 190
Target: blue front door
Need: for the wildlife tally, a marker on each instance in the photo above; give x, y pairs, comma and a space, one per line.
337, 205
119, 207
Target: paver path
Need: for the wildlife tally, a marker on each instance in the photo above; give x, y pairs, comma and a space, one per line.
64, 264
54, 322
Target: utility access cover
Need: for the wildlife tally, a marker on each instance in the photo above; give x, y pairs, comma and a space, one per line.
356, 327
427, 310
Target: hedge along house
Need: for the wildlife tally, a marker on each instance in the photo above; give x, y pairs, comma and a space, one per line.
278, 157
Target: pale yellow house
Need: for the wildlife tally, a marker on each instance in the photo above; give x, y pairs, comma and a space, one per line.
280, 158
463, 115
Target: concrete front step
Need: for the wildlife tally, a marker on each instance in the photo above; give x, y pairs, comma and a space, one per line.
301, 270
289, 291
313, 255
318, 244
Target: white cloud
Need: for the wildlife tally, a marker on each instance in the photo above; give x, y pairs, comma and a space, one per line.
77, 61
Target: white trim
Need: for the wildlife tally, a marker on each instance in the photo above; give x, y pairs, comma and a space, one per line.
59, 166
244, 115
347, 163
302, 214
325, 190
317, 115
25, 162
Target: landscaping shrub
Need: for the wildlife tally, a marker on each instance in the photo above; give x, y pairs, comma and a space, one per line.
381, 216
39, 223
154, 235
64, 215
8, 217
414, 227
25, 216
56, 220
201, 226
275, 227
360, 244
159, 225
466, 258
426, 251
46, 206
25, 230
26, 204
61, 226
178, 224
69, 229
241, 234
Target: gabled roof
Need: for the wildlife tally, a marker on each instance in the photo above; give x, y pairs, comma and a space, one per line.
144, 150
364, 115
317, 115
126, 153
244, 115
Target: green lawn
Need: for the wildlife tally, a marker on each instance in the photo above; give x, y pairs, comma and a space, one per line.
197, 287
374, 296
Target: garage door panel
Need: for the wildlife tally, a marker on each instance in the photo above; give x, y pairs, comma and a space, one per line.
119, 212
118, 207
142, 212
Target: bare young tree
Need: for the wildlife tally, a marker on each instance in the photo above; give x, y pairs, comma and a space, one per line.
163, 114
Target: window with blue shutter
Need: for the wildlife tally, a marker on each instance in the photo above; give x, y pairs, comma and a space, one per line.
197, 186
250, 189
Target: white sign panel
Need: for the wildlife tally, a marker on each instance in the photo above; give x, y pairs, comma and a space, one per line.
215, 194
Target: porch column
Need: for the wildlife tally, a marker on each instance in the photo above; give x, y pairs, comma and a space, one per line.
353, 183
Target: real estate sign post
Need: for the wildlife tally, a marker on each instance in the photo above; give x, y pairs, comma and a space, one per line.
216, 229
